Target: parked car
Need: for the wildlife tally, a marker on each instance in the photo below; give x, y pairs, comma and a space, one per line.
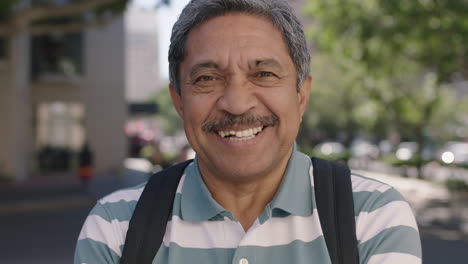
364, 149
455, 152
407, 150
330, 148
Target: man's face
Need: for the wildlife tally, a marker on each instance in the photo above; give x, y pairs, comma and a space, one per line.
239, 102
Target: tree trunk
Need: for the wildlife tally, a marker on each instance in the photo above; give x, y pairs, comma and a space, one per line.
420, 139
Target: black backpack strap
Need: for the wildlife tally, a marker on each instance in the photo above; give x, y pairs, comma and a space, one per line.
148, 224
334, 196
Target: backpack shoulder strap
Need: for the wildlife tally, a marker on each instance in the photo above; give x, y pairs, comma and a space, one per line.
148, 224
334, 196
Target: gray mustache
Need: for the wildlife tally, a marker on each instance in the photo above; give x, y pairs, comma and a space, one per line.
228, 120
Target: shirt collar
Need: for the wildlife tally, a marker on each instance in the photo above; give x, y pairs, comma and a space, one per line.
197, 204
294, 195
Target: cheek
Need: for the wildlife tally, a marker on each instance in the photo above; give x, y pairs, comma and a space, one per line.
289, 114
197, 109
284, 105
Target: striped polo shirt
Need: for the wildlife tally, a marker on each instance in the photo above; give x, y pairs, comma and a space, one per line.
201, 231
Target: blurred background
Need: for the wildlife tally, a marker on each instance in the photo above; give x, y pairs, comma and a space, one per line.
85, 110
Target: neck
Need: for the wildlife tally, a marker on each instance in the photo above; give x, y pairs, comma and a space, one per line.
245, 199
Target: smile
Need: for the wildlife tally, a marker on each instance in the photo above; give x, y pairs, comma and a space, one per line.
241, 135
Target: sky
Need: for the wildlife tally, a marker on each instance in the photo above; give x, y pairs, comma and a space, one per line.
167, 16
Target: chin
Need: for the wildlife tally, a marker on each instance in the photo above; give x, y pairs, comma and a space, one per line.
245, 171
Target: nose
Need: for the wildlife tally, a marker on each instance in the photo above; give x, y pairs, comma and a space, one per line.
238, 97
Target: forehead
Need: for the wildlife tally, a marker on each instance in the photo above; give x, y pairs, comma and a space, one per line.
236, 36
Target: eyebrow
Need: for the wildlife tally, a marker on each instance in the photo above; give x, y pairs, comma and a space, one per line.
267, 62
203, 65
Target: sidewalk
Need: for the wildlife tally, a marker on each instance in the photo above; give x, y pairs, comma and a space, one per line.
439, 212
51, 192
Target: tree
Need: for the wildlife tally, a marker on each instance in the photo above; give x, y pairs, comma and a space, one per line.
167, 114
339, 106
409, 50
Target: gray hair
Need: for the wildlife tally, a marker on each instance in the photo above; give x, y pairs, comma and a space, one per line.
279, 12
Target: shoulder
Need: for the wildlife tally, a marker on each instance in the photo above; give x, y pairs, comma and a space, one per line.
119, 205
124, 195
373, 198
104, 231
370, 194
385, 225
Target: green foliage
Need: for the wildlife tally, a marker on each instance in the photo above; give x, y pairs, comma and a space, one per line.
5, 8
391, 62
115, 7
338, 101
456, 185
394, 161
5, 179
166, 112
378, 32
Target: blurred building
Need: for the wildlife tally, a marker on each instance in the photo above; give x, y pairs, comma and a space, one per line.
59, 90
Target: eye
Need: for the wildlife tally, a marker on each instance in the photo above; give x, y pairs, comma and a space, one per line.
265, 74
265, 78
204, 82
205, 78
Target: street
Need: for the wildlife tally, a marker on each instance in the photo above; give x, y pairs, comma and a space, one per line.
438, 251
40, 237
48, 237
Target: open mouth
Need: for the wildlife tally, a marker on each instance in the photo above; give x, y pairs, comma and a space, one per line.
241, 135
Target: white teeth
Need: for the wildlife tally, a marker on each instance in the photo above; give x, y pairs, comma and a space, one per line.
241, 139
244, 134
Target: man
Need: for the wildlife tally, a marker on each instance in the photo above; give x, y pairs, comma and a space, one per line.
239, 80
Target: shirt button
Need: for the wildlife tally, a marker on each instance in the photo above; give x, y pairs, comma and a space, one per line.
244, 261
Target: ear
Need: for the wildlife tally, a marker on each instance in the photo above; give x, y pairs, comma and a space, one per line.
303, 94
176, 100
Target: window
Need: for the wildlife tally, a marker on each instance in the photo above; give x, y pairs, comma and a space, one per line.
57, 54
60, 133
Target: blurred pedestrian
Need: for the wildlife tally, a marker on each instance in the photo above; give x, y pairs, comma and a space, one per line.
85, 165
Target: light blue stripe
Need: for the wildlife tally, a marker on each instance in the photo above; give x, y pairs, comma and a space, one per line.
177, 211
121, 211
197, 203
132, 188
297, 252
365, 201
176, 254
295, 187
400, 239
93, 252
